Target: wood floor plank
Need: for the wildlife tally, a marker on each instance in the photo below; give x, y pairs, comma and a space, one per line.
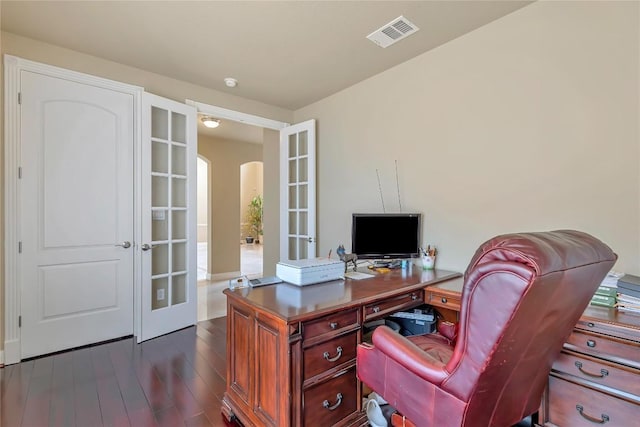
135, 401
112, 406
15, 398
86, 399
62, 411
174, 380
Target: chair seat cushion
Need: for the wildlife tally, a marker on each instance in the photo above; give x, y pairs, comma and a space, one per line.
435, 346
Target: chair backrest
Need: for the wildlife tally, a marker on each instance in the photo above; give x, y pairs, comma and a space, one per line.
522, 296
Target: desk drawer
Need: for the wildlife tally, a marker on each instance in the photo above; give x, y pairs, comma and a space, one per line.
603, 346
389, 306
444, 299
327, 403
331, 324
329, 354
571, 405
599, 372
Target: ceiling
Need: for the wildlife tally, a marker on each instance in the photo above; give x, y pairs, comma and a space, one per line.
284, 53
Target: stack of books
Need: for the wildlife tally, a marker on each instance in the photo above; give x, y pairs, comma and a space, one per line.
629, 293
606, 293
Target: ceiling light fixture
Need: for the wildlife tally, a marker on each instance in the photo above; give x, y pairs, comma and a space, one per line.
210, 122
230, 82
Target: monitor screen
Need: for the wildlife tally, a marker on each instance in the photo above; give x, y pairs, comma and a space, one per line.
386, 236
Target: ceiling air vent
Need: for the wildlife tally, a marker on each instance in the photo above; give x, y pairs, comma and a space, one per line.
394, 31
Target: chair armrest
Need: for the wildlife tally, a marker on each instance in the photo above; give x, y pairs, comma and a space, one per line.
409, 355
448, 330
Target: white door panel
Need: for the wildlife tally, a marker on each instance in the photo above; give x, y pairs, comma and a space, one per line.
298, 191
76, 207
169, 153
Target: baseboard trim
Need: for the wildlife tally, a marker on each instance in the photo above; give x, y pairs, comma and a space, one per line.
223, 276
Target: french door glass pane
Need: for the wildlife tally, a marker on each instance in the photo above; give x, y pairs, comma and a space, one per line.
179, 225
159, 290
159, 191
178, 160
303, 223
293, 146
302, 196
178, 289
303, 248
159, 123
159, 225
293, 248
159, 157
159, 260
303, 174
303, 146
178, 127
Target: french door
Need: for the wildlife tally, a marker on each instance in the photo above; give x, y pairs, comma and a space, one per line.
168, 232
298, 191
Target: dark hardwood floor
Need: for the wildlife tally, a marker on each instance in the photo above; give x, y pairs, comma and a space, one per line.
174, 380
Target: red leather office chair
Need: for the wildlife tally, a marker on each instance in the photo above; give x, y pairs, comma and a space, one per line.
522, 295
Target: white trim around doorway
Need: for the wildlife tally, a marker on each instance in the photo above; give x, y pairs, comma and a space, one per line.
236, 116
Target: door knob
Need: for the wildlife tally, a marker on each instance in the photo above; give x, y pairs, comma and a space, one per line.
125, 244
146, 247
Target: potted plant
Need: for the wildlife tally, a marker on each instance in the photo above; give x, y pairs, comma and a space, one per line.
254, 218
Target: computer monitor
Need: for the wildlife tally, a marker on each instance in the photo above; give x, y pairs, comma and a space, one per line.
386, 236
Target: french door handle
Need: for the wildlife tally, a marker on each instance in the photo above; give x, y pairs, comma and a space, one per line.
146, 247
125, 244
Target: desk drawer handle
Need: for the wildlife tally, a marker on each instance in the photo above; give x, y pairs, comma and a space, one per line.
333, 325
604, 418
330, 407
603, 372
444, 300
414, 297
376, 309
591, 343
336, 357
591, 324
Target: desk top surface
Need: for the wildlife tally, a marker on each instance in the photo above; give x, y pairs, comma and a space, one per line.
292, 303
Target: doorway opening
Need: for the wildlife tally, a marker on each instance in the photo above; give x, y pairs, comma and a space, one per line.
203, 218
251, 202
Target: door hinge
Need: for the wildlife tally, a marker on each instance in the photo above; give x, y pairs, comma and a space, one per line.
19, 247
19, 321
19, 172
19, 98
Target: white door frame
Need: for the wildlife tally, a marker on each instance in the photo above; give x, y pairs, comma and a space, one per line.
236, 116
13, 66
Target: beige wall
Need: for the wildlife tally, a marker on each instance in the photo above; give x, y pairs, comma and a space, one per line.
251, 185
271, 206
528, 123
225, 158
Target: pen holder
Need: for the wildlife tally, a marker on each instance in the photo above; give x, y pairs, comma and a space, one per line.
428, 262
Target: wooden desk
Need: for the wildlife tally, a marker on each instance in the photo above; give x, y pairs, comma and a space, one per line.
291, 350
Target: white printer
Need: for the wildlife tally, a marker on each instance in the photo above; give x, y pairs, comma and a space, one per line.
309, 271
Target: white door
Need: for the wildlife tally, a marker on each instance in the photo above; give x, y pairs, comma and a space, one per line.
76, 208
169, 153
298, 191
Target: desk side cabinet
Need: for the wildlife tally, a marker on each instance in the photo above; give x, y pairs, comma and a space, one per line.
596, 378
300, 373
